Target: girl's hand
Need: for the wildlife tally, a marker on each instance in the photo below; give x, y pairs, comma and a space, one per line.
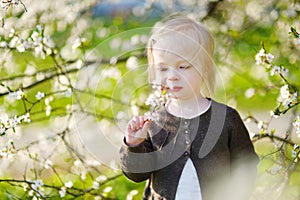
137, 130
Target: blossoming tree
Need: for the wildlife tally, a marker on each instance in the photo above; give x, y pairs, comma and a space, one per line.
71, 80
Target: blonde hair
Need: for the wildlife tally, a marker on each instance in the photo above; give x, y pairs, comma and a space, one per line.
190, 36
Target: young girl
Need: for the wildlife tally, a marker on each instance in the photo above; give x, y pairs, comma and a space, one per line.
197, 148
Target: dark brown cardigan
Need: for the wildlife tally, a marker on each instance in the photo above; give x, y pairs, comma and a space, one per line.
218, 144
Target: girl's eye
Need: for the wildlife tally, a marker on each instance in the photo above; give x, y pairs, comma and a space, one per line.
184, 67
162, 69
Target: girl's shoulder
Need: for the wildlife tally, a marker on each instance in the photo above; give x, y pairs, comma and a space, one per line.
223, 108
227, 114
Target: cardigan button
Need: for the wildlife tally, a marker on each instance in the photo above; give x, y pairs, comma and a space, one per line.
186, 153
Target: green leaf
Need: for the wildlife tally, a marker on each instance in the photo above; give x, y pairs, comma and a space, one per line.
294, 32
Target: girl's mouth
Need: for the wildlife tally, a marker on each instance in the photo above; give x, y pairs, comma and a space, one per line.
174, 89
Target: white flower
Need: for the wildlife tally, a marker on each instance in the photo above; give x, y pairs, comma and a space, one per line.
69, 184
48, 164
153, 100
269, 58
12, 32
48, 42
260, 125
21, 46
132, 63
26, 118
96, 185
259, 56
107, 189
284, 92
2, 129
48, 100
275, 70
262, 58
68, 92
111, 72
113, 60
286, 98
101, 178
31, 193
249, 93
278, 69
39, 27
272, 114
40, 95
131, 194
296, 124
13, 122
14, 41
83, 175
62, 192
34, 36
17, 95
79, 64
77, 163
48, 110
38, 183
37, 186
152, 116
76, 43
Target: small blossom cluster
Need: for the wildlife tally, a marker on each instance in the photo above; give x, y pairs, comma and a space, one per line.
11, 123
263, 58
5, 4
278, 70
42, 45
36, 188
17, 95
286, 97
79, 42
39, 95
156, 100
48, 106
8, 149
262, 126
63, 189
297, 125
99, 180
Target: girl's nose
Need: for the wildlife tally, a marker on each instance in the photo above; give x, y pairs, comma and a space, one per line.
173, 75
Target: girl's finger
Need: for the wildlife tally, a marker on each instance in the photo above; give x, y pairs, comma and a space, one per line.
142, 121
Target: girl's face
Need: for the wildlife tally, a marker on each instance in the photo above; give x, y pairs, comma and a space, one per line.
177, 75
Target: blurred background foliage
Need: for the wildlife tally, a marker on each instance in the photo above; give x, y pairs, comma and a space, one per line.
78, 69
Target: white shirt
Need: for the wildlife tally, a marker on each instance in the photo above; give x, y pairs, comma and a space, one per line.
188, 186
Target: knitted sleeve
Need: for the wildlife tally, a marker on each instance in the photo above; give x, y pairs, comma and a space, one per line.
136, 161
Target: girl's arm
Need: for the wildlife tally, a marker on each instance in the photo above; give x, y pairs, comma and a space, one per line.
134, 161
